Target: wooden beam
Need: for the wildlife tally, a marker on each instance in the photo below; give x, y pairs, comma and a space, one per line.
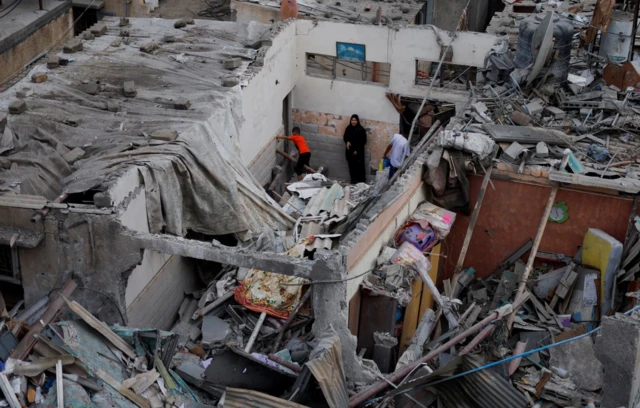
29, 340
216, 252
294, 161
474, 218
139, 400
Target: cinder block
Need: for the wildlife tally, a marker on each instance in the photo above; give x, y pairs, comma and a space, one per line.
39, 77
73, 46
232, 63
73, 155
99, 29
149, 47
88, 36
129, 88
181, 104
91, 88
17, 107
53, 62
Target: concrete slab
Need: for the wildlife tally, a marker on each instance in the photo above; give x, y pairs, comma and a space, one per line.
579, 359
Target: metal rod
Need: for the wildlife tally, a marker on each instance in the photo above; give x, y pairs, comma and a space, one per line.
285, 363
252, 339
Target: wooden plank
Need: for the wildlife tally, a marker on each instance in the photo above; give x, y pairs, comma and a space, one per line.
411, 315
59, 384
427, 298
623, 184
29, 340
112, 382
101, 327
7, 390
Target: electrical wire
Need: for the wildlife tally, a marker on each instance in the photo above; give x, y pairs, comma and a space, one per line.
328, 281
8, 11
495, 363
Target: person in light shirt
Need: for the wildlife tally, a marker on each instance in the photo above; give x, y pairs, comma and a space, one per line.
399, 148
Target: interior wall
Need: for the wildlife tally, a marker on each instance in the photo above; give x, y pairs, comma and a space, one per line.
262, 97
512, 213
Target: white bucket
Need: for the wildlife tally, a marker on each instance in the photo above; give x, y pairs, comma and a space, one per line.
616, 42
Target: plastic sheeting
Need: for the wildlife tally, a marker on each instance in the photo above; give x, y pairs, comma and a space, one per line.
196, 182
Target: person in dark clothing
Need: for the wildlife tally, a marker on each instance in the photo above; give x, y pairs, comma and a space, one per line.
304, 154
355, 138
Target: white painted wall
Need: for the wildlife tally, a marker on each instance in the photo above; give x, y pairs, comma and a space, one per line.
400, 47
262, 97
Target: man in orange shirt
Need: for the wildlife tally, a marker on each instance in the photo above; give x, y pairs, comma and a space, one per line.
304, 154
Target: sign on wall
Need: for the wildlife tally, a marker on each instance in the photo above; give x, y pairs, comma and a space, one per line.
350, 52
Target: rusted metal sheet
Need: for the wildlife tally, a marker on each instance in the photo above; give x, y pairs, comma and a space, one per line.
239, 398
512, 212
622, 76
326, 366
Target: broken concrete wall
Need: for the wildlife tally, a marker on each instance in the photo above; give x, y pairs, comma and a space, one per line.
28, 42
333, 125
262, 99
362, 246
246, 11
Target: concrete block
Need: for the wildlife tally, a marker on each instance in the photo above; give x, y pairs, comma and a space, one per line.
307, 128
520, 118
39, 77
129, 89
230, 82
618, 349
17, 107
24, 92
124, 21
113, 106
125, 32
542, 150
232, 63
73, 46
168, 135
99, 29
180, 24
149, 47
73, 121
181, 104
555, 112
91, 88
53, 62
214, 331
88, 36
168, 38
534, 107
115, 43
102, 200
73, 155
189, 21
579, 359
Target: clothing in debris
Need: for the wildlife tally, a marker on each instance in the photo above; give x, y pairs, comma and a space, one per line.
355, 139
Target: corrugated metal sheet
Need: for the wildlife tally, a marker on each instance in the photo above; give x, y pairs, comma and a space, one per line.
322, 241
310, 228
328, 371
239, 398
324, 200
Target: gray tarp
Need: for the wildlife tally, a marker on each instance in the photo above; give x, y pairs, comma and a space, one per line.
196, 182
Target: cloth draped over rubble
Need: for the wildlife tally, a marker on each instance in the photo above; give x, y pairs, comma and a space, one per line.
188, 159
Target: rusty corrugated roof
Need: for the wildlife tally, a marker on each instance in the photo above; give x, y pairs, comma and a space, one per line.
239, 398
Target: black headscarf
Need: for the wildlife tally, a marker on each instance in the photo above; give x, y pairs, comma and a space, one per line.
356, 135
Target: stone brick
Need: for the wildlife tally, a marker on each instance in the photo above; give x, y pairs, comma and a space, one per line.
74, 155
180, 24
17, 107
73, 46
113, 106
168, 38
232, 63
53, 62
189, 21
129, 89
181, 104
91, 88
99, 29
102, 200
39, 77
124, 21
149, 47
555, 112
87, 35
230, 82
168, 135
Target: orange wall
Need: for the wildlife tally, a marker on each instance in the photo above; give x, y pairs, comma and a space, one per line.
512, 213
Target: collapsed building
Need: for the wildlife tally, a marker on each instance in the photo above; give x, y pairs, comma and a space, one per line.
143, 187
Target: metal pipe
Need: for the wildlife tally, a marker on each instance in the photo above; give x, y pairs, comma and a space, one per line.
398, 375
252, 339
285, 363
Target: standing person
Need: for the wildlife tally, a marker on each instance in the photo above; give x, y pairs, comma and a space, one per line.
355, 138
304, 154
399, 148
